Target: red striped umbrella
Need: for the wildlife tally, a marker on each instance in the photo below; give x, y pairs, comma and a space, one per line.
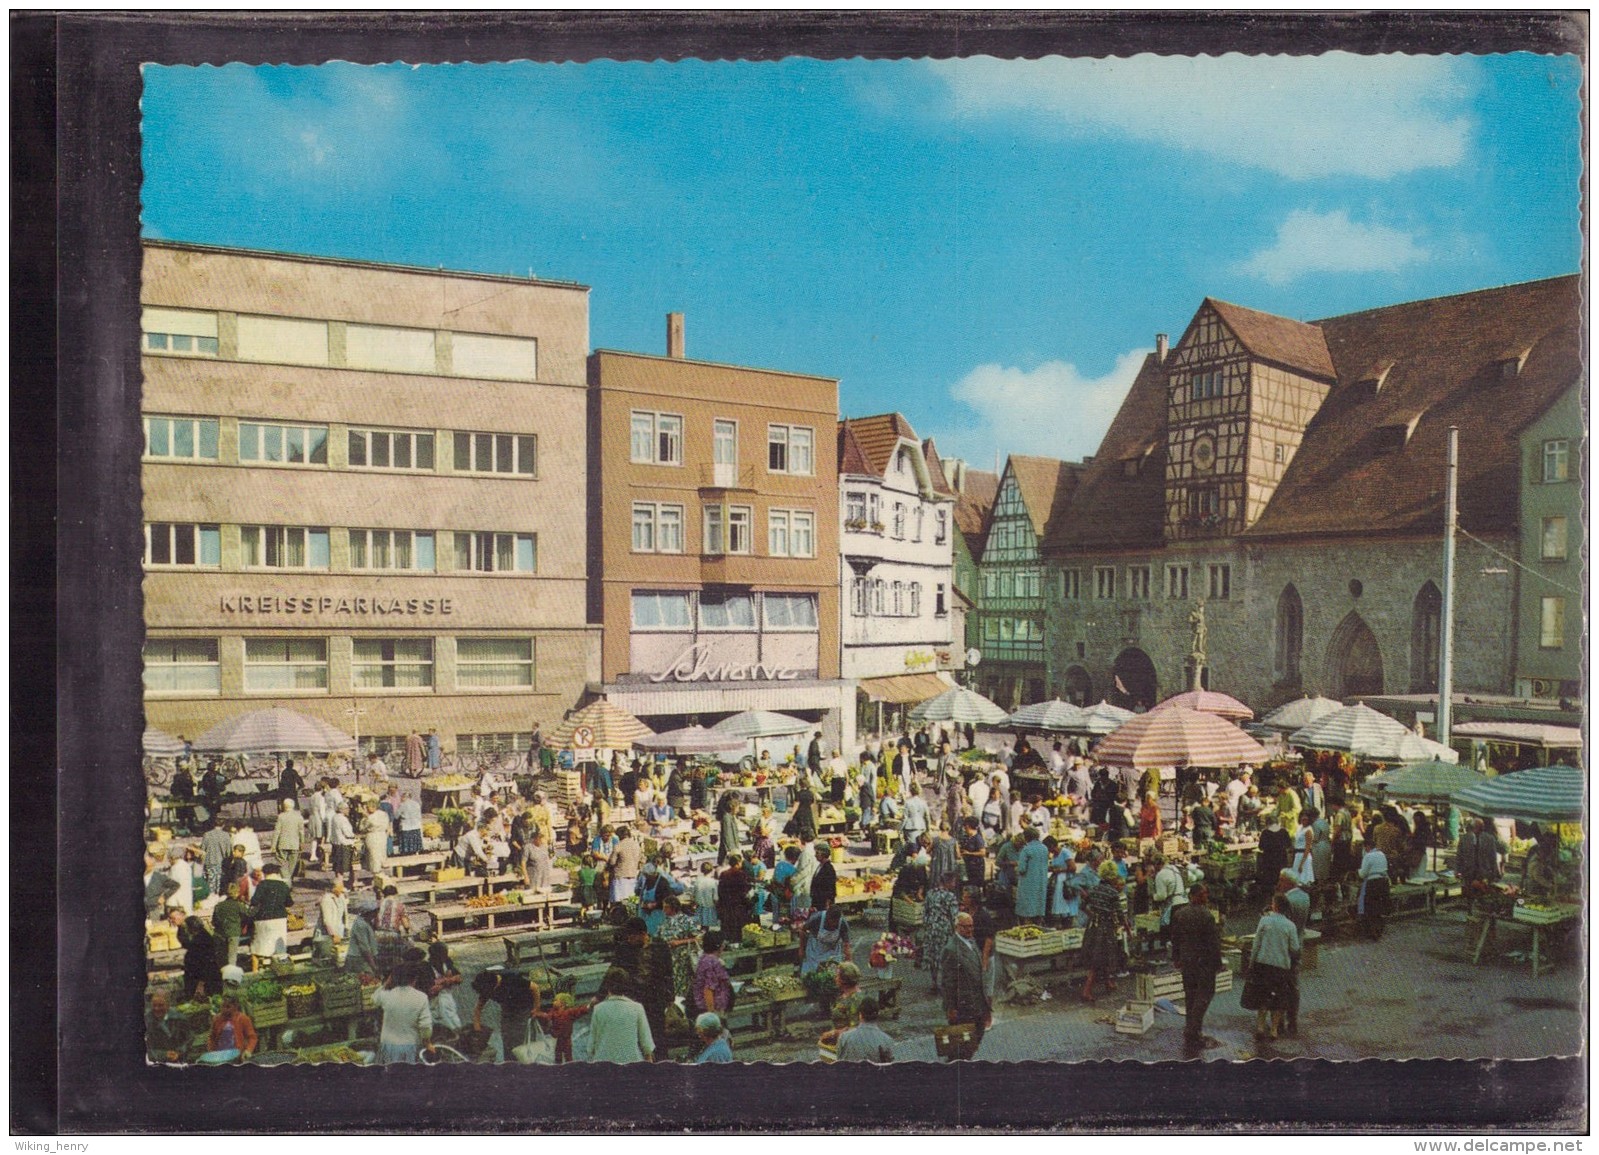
1210, 702
1177, 736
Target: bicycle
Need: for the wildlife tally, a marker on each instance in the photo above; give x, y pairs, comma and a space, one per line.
158, 772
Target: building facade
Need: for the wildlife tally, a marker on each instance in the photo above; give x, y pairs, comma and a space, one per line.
714, 531
1549, 618
1290, 477
895, 546
1011, 597
974, 499
363, 495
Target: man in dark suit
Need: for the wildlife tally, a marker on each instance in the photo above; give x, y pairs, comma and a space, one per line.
813, 756
965, 1000
1196, 946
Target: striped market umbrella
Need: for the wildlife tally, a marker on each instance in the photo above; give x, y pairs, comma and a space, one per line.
1102, 719
1210, 702
761, 724
1435, 781
1178, 736
1298, 714
599, 725
274, 731
160, 744
1054, 715
958, 705
1355, 729
1545, 794
1412, 747
691, 740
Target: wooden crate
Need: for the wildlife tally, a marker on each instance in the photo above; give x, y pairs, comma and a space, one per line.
1147, 923
1171, 844
446, 874
953, 1041
1135, 1018
1052, 942
271, 1014
1162, 985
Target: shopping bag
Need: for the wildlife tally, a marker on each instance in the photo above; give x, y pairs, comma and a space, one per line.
538, 1050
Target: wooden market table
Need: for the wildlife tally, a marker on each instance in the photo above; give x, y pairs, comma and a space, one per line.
559, 943
457, 920
1535, 920
472, 884
400, 866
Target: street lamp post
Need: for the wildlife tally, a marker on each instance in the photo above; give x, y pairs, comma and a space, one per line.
355, 713
1446, 621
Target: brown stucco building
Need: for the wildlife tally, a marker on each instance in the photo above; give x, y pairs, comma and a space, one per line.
363, 495
713, 539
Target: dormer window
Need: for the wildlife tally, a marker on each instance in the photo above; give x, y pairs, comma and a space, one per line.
1373, 381
1393, 437
1510, 365
902, 461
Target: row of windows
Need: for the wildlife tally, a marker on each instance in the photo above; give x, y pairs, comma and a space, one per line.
381, 348
1137, 583
308, 548
278, 443
1005, 583
996, 629
680, 610
193, 665
874, 597
657, 439
863, 511
658, 528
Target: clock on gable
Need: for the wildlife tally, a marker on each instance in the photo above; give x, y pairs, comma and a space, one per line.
1204, 456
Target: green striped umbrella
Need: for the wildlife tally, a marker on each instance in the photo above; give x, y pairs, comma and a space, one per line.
1545, 794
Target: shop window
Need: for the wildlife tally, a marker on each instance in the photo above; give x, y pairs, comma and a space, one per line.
727, 611
660, 610
790, 611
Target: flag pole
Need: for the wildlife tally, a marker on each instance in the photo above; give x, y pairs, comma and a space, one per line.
1446, 624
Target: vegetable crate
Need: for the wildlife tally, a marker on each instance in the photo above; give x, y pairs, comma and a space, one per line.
367, 991
1050, 942
1072, 938
1147, 923
341, 995
1161, 985
1171, 844
758, 938
908, 912
301, 1006
1223, 869
782, 936
447, 874
568, 786
269, 1014
1135, 1018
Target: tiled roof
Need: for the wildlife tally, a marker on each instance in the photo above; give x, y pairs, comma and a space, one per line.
973, 506
1294, 344
935, 469
878, 436
1110, 510
1046, 486
1372, 459
851, 457
1446, 356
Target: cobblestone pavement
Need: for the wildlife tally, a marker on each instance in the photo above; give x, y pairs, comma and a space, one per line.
1415, 994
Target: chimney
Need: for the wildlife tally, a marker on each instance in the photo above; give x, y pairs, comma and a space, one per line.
1160, 348
674, 336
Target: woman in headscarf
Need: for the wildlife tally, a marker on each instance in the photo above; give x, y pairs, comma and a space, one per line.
1107, 920
824, 938
762, 848
727, 807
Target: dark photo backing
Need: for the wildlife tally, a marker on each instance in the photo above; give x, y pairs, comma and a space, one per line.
77, 1051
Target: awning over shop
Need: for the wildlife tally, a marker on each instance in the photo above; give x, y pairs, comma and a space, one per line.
905, 689
1523, 734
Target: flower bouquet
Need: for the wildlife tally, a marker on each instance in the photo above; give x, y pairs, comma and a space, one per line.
888, 948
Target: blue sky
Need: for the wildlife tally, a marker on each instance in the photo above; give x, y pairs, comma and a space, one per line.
988, 246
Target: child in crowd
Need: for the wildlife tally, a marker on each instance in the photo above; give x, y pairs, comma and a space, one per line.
588, 877
704, 895
559, 1020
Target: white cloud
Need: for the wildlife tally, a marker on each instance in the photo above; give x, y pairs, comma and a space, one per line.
1312, 242
1051, 411
1304, 117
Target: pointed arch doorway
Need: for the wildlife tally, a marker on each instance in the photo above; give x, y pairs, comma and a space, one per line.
1354, 660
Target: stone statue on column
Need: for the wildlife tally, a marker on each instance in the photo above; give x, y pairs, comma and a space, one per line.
1196, 620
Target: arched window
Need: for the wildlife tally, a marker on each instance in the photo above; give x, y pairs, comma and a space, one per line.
1288, 638
1426, 618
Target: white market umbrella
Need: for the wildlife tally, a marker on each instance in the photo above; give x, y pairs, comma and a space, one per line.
1102, 719
1545, 794
1209, 702
752, 724
1054, 715
1356, 730
958, 705
274, 731
1178, 736
1298, 714
691, 740
1412, 747
160, 744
